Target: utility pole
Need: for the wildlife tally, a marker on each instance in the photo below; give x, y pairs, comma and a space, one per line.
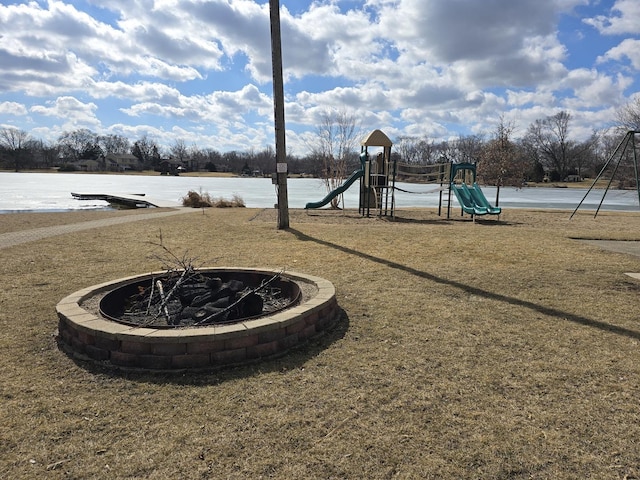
278, 107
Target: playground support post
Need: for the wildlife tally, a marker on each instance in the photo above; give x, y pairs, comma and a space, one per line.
392, 186
635, 166
442, 177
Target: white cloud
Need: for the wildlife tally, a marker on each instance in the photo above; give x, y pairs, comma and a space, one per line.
622, 19
140, 91
458, 30
523, 98
13, 108
593, 89
220, 107
627, 49
72, 111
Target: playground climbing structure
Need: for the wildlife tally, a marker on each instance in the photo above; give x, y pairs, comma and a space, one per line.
379, 171
379, 176
433, 173
376, 175
452, 180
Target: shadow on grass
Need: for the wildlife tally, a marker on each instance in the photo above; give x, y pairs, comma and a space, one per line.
291, 359
420, 221
447, 221
552, 312
407, 217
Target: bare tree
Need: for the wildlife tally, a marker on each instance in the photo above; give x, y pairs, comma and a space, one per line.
114, 144
179, 150
583, 154
47, 154
147, 152
264, 159
415, 149
550, 137
445, 152
213, 159
14, 140
628, 116
231, 162
467, 148
608, 141
197, 157
78, 144
501, 161
603, 152
335, 145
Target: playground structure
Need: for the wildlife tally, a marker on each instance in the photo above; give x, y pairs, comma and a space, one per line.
628, 143
378, 174
377, 186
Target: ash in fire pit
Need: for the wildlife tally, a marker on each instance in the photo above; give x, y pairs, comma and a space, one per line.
190, 298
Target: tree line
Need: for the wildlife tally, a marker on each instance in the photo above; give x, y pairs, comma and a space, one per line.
83, 149
86, 150
546, 151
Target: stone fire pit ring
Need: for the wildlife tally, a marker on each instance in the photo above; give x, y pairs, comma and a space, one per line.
85, 334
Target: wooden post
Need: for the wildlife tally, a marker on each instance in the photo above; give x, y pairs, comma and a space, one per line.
278, 106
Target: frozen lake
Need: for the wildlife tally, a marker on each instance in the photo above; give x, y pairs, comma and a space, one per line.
52, 192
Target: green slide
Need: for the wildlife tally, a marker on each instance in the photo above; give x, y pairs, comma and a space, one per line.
463, 194
334, 193
478, 197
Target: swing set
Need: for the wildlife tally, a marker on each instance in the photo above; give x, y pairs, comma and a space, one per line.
627, 144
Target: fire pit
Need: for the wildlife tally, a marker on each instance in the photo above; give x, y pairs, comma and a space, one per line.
199, 319
192, 297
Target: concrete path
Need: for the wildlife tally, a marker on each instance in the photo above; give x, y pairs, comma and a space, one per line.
621, 246
11, 239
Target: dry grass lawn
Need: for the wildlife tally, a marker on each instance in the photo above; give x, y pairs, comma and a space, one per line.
497, 349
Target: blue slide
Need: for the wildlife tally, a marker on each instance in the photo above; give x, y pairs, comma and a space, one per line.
473, 201
334, 193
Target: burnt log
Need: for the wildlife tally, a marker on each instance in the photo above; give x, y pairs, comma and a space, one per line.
193, 299
251, 305
187, 293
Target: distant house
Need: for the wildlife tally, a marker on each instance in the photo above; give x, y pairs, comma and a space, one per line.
248, 172
171, 167
123, 162
88, 165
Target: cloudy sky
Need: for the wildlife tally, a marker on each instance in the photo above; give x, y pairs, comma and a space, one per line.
199, 71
